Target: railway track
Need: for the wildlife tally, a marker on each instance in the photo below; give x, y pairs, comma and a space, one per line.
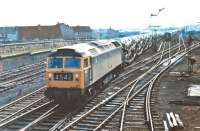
91, 120
48, 119
23, 75
48, 116
26, 118
97, 116
145, 64
19, 71
98, 99
22, 105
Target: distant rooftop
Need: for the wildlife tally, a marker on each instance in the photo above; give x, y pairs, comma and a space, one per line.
81, 28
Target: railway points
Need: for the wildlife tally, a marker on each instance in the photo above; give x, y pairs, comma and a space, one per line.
99, 112
128, 102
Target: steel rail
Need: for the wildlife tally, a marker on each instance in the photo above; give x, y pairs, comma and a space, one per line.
129, 93
30, 111
151, 57
59, 124
45, 115
149, 118
21, 69
22, 98
21, 110
148, 83
150, 60
120, 107
98, 105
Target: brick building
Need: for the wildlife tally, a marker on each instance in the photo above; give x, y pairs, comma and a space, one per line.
60, 31
82, 32
34, 33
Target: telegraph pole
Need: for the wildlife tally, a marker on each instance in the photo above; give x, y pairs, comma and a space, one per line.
154, 28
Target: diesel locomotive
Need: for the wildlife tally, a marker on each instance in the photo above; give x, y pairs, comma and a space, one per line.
79, 70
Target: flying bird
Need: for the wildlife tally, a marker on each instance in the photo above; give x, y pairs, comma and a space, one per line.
160, 10
153, 14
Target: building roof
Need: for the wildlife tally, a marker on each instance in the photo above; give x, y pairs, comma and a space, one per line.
82, 29
9, 30
40, 32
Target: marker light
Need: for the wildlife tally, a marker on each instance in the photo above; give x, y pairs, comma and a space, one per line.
49, 75
76, 76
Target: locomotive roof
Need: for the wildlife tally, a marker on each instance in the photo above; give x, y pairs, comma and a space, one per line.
86, 49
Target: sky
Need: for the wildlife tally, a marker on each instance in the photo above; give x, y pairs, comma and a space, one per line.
118, 14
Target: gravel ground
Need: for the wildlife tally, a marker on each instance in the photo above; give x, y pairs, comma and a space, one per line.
173, 86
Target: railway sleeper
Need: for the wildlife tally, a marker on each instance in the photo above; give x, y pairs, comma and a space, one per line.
103, 112
136, 107
88, 125
97, 115
130, 123
91, 121
115, 103
47, 123
131, 116
141, 126
154, 114
112, 105
135, 119
3, 114
136, 116
107, 108
39, 128
157, 123
135, 113
77, 128
12, 127
135, 101
23, 123
31, 118
110, 128
141, 103
79, 115
2, 117
119, 99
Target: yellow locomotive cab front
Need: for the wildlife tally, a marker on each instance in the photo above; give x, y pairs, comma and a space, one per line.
65, 75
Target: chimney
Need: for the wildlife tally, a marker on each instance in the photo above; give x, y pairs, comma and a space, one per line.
39, 28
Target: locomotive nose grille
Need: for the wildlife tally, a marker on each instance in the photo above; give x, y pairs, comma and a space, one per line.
63, 76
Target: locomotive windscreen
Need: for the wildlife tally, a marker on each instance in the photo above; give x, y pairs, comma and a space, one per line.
68, 62
72, 63
55, 62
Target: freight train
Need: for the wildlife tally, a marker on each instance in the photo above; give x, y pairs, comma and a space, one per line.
83, 69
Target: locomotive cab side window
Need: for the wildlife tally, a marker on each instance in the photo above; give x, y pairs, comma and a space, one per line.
85, 63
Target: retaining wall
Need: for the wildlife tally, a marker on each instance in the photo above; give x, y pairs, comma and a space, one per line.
12, 62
